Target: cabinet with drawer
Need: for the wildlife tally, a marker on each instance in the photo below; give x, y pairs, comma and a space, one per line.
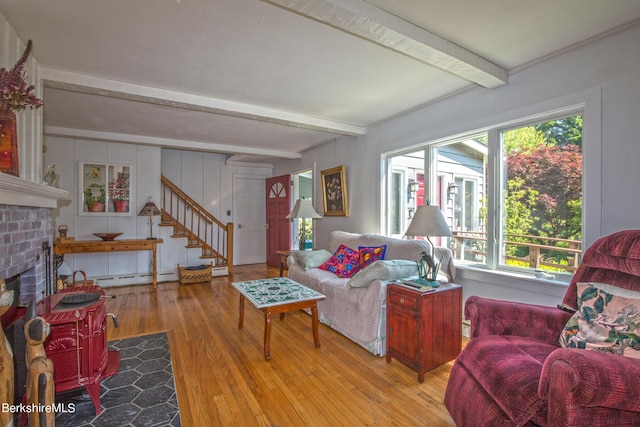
424, 329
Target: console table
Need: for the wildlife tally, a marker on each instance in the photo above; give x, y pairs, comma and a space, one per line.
93, 246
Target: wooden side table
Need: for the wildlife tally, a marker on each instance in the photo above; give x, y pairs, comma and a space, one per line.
283, 254
424, 330
92, 246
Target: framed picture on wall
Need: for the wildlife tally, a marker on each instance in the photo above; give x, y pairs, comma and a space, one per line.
105, 189
334, 192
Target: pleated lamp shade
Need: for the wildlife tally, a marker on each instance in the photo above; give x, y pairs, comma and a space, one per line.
303, 209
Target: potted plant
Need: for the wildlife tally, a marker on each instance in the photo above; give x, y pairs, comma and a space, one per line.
15, 95
94, 197
119, 192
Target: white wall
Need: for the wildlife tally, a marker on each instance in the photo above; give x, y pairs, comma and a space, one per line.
205, 177
604, 73
210, 181
66, 153
29, 121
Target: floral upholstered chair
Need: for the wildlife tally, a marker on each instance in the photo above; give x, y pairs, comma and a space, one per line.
528, 365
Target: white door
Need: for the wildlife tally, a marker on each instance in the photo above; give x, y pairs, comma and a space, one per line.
250, 219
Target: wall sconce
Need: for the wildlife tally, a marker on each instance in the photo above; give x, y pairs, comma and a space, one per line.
412, 189
452, 190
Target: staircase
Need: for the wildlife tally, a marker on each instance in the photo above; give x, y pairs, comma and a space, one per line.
201, 229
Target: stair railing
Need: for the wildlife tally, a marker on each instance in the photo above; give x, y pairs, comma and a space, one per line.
202, 229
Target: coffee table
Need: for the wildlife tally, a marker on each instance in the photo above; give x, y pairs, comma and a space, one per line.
278, 295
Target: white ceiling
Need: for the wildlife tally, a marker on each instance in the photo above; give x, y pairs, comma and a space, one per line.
267, 79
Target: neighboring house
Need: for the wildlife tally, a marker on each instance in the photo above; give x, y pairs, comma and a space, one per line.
460, 186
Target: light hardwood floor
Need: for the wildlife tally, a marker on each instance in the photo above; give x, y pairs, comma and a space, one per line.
222, 378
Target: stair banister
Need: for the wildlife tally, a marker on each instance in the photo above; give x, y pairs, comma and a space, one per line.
201, 228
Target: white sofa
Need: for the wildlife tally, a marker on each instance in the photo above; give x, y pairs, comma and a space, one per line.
356, 306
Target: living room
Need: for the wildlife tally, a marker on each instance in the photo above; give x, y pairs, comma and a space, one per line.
599, 74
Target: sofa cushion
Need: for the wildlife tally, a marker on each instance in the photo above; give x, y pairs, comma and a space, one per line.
396, 248
391, 269
311, 259
607, 320
370, 254
512, 381
343, 263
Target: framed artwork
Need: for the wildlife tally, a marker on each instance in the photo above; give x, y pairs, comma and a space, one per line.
334, 192
105, 189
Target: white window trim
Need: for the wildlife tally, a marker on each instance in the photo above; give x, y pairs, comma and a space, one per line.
588, 103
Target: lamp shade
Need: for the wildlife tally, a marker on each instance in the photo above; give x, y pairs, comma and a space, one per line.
64, 270
149, 209
303, 209
428, 221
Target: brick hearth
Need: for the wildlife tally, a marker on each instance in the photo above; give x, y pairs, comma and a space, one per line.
23, 231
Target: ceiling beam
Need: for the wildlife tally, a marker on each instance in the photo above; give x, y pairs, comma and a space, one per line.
168, 143
369, 22
132, 92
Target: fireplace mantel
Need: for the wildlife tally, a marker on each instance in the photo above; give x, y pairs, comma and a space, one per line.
20, 192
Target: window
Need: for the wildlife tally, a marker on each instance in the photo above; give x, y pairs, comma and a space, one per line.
403, 194
395, 203
541, 195
521, 184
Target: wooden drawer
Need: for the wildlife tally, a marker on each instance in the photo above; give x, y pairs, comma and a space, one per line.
76, 249
131, 247
408, 301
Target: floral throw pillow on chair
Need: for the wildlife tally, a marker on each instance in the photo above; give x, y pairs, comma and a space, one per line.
607, 321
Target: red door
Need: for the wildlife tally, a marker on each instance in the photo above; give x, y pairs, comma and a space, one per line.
278, 206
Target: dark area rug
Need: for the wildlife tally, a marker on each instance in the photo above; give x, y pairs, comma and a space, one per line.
141, 393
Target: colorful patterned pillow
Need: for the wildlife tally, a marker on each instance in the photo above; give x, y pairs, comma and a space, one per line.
370, 254
343, 263
607, 320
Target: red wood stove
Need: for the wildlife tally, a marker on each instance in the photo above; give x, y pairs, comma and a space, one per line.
77, 344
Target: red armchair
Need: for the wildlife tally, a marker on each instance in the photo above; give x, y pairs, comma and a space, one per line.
513, 371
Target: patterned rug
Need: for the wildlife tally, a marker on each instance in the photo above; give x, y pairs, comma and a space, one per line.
141, 393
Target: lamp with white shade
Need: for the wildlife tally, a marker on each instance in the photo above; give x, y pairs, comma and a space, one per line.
303, 209
428, 221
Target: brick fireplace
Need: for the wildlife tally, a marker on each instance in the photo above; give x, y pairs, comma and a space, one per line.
26, 223
23, 231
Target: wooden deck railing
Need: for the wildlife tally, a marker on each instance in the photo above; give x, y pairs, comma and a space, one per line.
537, 251
202, 229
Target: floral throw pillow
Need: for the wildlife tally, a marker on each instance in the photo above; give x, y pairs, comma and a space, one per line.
370, 254
343, 263
607, 321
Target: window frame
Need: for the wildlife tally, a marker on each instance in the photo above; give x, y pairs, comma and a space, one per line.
494, 197
587, 103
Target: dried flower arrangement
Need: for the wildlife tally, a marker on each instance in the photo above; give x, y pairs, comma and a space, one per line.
15, 94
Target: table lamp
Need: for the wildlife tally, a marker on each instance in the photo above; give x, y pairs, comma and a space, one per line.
63, 271
428, 221
303, 209
149, 209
